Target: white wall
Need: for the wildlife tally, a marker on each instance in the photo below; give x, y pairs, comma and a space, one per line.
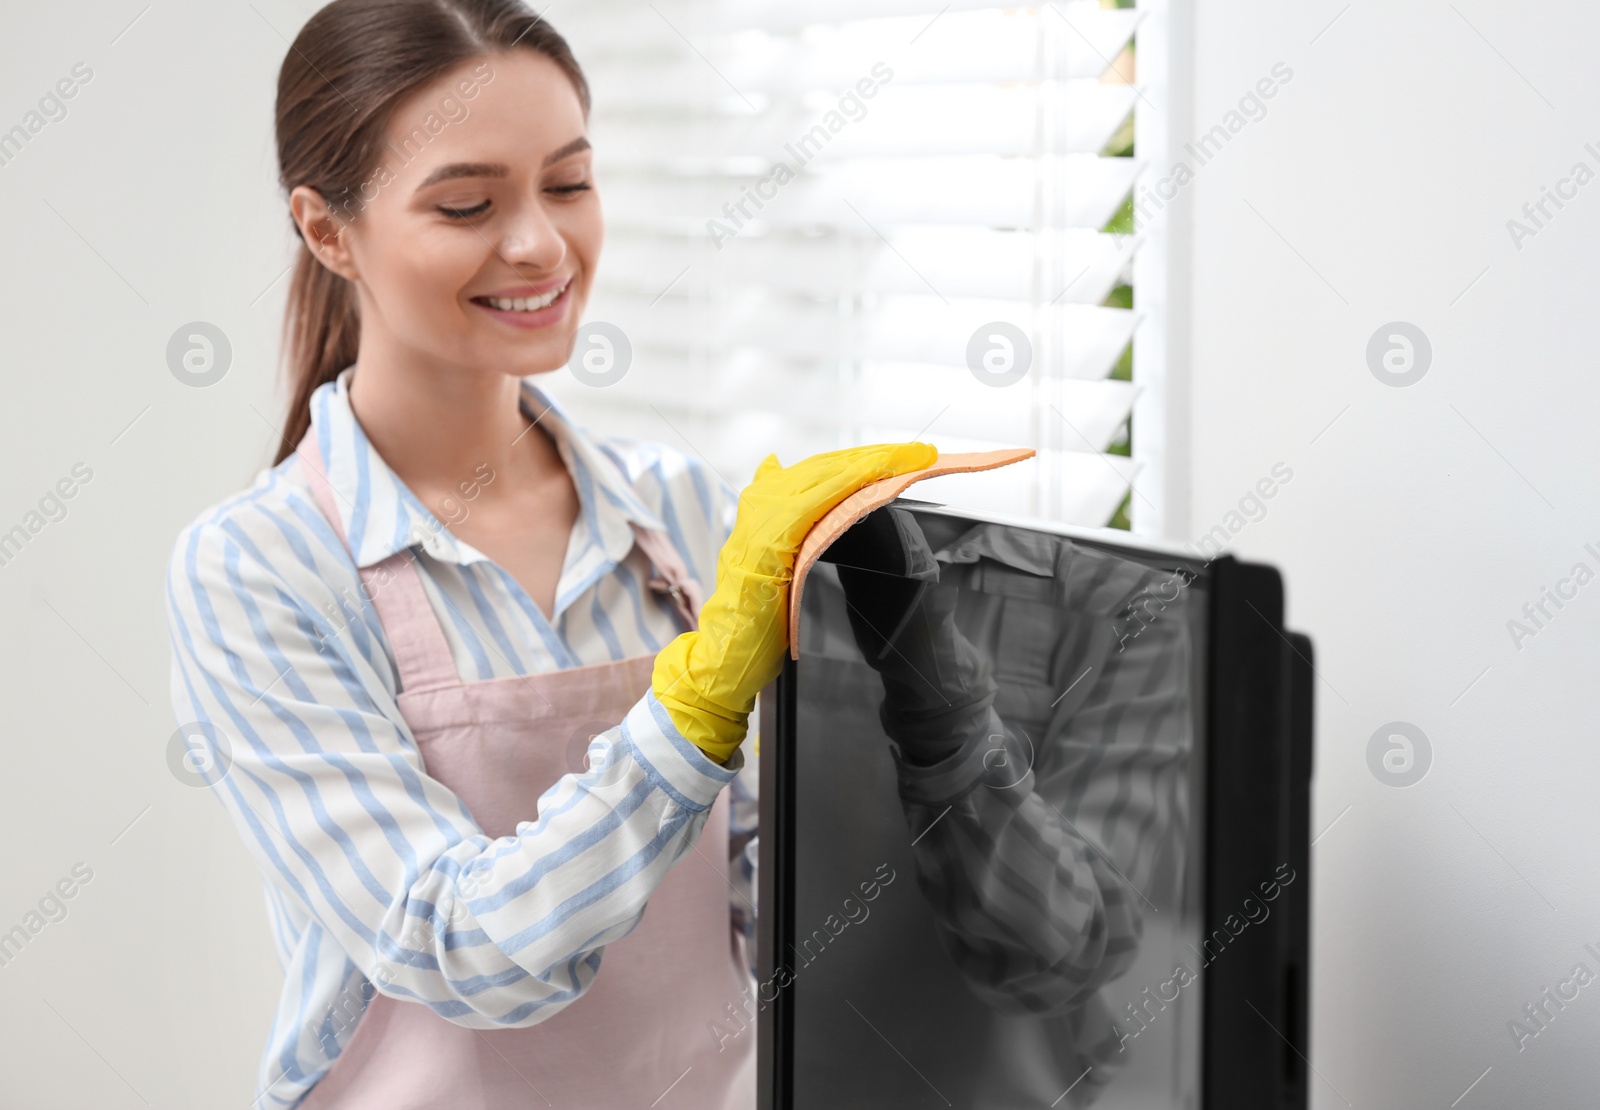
1415, 525
1419, 519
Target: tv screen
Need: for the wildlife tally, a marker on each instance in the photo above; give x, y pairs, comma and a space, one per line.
986, 814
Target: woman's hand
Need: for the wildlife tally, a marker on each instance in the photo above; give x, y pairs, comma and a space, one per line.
708, 680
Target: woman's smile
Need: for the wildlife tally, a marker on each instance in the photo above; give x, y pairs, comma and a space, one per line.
527, 306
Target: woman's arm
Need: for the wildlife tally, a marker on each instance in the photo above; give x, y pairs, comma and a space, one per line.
330, 795
667, 477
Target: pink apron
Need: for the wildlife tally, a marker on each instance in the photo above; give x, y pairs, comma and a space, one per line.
641, 1036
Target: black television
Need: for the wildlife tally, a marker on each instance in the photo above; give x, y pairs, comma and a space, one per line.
1034, 826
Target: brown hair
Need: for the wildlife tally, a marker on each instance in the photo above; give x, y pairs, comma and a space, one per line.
348, 67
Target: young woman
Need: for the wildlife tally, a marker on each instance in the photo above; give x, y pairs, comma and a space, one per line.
449, 660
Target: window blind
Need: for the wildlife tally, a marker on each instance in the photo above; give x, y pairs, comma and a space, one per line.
812, 211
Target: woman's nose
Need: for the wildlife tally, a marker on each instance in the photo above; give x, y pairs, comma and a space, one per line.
532, 239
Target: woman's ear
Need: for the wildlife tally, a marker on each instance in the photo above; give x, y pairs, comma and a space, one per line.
327, 236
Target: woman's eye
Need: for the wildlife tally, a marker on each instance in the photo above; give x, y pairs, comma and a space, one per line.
463, 213
564, 190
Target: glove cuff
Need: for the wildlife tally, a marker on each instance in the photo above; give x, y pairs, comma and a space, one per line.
929, 734
688, 672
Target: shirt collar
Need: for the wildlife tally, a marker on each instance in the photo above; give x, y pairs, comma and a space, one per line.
381, 515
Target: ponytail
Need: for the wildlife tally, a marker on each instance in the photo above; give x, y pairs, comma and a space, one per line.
320, 330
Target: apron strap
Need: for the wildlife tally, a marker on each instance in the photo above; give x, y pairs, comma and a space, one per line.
421, 652
671, 578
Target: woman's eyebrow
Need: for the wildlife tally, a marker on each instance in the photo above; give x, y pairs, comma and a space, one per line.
580, 143
465, 169
497, 169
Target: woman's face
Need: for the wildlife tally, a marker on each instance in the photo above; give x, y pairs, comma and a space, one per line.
475, 240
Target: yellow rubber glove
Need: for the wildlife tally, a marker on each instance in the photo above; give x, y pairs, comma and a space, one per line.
707, 680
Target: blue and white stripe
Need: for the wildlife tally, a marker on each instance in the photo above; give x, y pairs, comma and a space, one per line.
372, 869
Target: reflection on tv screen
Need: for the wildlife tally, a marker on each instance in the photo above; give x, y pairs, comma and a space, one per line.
996, 875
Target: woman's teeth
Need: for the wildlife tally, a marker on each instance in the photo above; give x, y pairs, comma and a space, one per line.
525, 304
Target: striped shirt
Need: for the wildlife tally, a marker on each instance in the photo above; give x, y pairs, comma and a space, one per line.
278, 658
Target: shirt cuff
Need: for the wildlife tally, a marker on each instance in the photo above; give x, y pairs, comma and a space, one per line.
682, 771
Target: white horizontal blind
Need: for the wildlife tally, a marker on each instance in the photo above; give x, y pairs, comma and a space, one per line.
812, 208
